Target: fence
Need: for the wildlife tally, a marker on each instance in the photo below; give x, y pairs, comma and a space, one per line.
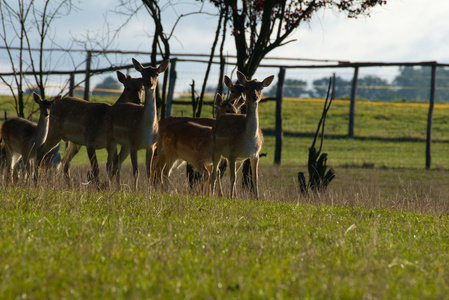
192, 66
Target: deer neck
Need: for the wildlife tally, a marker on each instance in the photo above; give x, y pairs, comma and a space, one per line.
252, 119
122, 98
40, 135
126, 97
149, 109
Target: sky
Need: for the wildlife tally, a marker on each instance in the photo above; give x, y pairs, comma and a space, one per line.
400, 31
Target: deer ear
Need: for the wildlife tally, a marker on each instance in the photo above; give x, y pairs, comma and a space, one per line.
163, 66
57, 98
36, 98
228, 82
218, 99
137, 65
241, 77
267, 81
121, 77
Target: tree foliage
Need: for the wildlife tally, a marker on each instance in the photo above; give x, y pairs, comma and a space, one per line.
342, 88
411, 84
108, 83
414, 83
260, 26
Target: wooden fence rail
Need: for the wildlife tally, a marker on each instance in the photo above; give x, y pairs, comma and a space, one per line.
328, 64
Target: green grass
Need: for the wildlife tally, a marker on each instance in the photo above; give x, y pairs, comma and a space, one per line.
379, 232
86, 244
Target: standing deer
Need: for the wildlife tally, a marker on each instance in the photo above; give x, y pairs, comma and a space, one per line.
134, 126
235, 100
23, 137
237, 137
82, 123
188, 139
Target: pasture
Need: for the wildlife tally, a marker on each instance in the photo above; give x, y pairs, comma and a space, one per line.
379, 231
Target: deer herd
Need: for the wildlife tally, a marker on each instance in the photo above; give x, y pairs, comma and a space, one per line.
201, 142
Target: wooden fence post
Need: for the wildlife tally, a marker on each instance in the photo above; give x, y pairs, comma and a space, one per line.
171, 87
352, 102
71, 84
87, 80
430, 116
279, 132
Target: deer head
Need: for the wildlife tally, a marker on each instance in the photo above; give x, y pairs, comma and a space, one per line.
237, 95
133, 88
45, 105
254, 87
224, 107
150, 74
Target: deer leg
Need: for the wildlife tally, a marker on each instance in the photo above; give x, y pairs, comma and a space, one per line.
155, 172
135, 167
124, 152
118, 161
219, 177
111, 160
209, 174
71, 151
9, 166
15, 164
41, 152
215, 160
93, 163
232, 173
166, 170
27, 169
255, 174
148, 165
205, 179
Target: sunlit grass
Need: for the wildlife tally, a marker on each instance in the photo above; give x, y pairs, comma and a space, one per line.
82, 243
379, 231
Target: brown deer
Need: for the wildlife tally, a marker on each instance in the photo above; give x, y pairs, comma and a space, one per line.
134, 126
23, 137
190, 140
237, 137
82, 123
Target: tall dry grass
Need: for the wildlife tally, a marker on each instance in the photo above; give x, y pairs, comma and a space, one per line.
398, 189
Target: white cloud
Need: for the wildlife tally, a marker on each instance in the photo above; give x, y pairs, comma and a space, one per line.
400, 31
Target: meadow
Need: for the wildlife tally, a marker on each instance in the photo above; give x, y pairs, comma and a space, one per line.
380, 231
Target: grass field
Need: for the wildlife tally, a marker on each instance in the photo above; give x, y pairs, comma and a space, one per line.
381, 230
376, 234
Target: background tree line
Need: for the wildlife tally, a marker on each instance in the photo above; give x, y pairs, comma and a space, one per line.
411, 84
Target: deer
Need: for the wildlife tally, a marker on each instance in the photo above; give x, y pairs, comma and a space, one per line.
82, 123
190, 140
235, 100
134, 126
132, 93
238, 137
22, 137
